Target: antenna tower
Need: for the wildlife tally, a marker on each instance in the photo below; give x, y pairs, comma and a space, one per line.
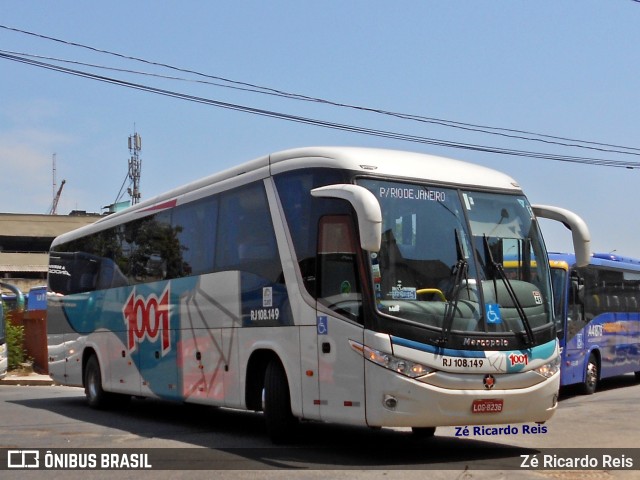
135, 167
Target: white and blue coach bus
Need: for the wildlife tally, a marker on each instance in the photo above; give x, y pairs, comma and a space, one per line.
347, 285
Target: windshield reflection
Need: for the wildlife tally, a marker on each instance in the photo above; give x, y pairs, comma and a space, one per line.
441, 262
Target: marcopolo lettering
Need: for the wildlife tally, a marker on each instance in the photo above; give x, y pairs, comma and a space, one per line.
485, 342
147, 318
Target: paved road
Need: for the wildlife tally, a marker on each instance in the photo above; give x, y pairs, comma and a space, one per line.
235, 443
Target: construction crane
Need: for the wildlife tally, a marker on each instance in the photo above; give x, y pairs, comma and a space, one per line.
54, 205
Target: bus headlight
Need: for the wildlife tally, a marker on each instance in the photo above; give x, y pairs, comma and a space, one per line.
391, 362
548, 370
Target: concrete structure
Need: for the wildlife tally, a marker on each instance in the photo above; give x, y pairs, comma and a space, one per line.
24, 244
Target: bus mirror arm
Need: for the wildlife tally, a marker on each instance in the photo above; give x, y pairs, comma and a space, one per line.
578, 227
367, 210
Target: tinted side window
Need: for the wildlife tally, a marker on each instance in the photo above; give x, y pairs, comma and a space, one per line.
90, 263
230, 231
303, 213
73, 272
246, 239
195, 225
152, 249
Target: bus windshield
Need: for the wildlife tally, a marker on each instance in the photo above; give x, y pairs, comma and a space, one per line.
559, 283
441, 261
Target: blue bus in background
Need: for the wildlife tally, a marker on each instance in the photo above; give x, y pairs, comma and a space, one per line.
36, 299
598, 317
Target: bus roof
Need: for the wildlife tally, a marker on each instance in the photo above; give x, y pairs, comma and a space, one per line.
395, 163
374, 161
598, 259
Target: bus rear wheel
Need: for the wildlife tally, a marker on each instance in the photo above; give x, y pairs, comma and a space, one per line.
96, 396
591, 380
281, 423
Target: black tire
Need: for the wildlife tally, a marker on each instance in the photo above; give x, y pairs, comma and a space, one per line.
592, 377
423, 432
637, 374
96, 396
281, 424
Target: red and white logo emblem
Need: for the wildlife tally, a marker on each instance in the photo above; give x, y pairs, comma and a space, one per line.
147, 318
521, 359
489, 381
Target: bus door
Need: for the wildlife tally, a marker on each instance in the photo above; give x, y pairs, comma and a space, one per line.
339, 319
575, 345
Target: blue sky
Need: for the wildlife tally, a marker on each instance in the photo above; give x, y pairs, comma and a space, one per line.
567, 69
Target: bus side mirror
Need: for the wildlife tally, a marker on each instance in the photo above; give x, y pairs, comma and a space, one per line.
367, 210
578, 227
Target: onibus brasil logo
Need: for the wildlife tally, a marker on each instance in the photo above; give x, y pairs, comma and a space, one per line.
147, 318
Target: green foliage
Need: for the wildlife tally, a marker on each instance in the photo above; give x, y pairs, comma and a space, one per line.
15, 344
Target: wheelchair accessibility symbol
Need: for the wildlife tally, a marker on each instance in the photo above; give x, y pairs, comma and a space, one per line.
492, 313
322, 325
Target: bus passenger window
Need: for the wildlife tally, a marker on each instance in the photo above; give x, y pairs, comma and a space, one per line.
195, 224
246, 239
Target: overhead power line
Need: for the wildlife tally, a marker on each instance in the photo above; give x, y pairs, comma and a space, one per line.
446, 123
250, 87
323, 123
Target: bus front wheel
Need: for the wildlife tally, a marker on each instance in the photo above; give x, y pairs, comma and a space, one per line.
280, 421
591, 381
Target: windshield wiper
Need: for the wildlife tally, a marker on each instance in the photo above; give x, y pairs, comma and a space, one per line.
461, 269
512, 294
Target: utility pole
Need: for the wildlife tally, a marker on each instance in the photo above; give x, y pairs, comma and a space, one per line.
135, 167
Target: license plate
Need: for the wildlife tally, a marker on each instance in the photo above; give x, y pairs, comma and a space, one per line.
487, 406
